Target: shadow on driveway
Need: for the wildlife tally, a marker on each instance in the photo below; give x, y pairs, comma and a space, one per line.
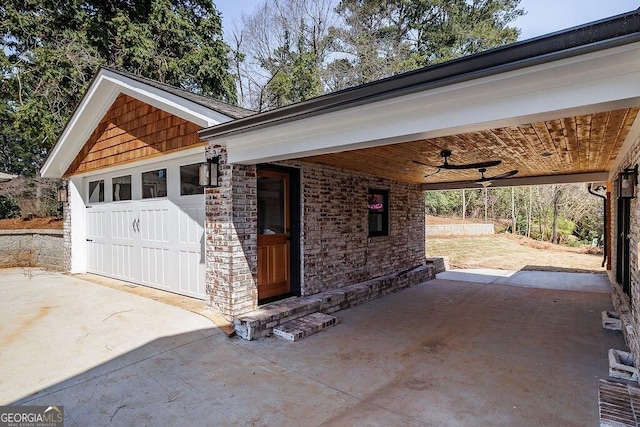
441, 353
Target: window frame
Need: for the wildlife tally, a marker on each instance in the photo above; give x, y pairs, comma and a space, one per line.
385, 213
180, 173
166, 183
113, 184
101, 191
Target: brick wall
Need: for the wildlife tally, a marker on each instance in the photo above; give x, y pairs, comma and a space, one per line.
231, 230
622, 303
32, 248
336, 249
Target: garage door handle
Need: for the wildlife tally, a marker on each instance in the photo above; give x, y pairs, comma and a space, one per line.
136, 225
133, 225
89, 240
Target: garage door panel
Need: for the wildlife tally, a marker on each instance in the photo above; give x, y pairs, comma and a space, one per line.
155, 224
97, 240
123, 243
122, 224
96, 252
122, 267
191, 224
191, 274
154, 261
190, 247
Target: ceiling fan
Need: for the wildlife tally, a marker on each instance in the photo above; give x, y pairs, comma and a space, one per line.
445, 154
485, 181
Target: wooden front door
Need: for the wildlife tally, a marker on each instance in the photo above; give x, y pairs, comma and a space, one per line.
274, 278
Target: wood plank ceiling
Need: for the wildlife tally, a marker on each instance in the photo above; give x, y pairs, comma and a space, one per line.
569, 145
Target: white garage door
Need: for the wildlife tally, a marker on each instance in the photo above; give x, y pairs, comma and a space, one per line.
146, 225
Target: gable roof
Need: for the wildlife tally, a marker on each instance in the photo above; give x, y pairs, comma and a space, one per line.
105, 87
606, 33
232, 111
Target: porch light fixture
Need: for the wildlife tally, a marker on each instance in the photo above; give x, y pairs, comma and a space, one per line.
208, 173
61, 194
627, 183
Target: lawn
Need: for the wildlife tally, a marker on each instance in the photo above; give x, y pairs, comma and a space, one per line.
508, 252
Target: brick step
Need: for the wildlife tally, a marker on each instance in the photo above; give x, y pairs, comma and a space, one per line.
302, 327
260, 322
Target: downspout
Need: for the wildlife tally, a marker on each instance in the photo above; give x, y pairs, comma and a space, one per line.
604, 220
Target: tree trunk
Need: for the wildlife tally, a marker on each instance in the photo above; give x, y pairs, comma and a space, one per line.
513, 211
556, 208
485, 204
38, 183
464, 205
530, 212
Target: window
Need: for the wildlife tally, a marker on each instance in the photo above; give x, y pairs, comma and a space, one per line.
96, 191
272, 198
121, 188
378, 206
189, 178
154, 184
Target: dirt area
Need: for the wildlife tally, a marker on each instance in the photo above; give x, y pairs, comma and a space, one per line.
30, 224
508, 252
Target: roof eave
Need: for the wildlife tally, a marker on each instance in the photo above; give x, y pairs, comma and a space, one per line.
608, 33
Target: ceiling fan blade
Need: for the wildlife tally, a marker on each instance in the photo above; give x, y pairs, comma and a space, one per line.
431, 174
479, 165
505, 175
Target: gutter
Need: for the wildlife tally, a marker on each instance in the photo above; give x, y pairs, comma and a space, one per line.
604, 220
600, 35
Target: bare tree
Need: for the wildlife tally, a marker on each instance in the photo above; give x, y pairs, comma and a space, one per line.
271, 26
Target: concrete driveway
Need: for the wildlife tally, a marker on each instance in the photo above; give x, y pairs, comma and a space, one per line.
55, 327
441, 353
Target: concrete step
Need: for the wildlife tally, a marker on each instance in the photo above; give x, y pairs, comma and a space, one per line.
297, 329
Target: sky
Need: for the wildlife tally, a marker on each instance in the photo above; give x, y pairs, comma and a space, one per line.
543, 16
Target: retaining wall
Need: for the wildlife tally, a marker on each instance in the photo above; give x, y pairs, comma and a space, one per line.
32, 248
459, 229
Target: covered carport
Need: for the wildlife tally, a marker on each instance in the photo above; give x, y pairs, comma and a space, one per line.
557, 109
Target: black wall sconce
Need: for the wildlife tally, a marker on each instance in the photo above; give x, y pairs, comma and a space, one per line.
627, 182
62, 194
208, 174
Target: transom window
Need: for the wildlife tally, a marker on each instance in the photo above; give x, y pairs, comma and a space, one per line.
96, 191
189, 182
378, 207
121, 188
154, 184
